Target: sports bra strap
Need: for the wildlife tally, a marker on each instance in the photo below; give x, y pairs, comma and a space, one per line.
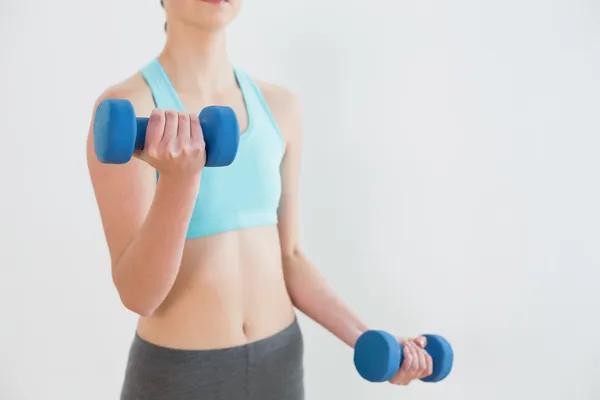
165, 96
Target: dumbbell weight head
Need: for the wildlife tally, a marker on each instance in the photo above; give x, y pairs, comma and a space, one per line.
115, 131
221, 132
442, 355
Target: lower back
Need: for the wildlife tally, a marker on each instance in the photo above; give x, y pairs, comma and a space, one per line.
230, 291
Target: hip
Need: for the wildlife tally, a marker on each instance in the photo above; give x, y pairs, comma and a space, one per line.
269, 368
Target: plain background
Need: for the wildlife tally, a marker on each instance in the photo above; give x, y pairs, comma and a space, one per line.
449, 185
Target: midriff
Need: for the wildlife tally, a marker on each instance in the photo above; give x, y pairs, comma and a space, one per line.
230, 291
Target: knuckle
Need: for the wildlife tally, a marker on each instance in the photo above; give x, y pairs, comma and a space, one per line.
172, 151
198, 146
197, 152
157, 115
199, 140
171, 114
158, 111
195, 123
188, 150
152, 151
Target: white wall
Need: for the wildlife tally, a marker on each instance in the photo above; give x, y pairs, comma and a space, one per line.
463, 140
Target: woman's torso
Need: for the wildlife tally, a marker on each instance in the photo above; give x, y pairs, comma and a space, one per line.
230, 289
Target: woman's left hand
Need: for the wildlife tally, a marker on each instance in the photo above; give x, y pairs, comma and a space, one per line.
416, 363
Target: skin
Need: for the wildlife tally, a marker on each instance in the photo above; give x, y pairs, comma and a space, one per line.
226, 289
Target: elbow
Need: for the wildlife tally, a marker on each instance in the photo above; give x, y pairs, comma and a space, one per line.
290, 254
143, 309
134, 300
137, 305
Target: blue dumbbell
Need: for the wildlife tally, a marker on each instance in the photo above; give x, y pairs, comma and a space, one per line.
378, 356
117, 133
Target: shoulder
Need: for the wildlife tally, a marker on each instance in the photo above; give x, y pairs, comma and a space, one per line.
134, 89
279, 97
285, 106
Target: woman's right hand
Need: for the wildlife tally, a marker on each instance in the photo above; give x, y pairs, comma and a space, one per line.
174, 144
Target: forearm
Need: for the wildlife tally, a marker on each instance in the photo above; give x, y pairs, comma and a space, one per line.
312, 295
146, 271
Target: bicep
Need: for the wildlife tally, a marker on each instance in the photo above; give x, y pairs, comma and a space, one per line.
124, 194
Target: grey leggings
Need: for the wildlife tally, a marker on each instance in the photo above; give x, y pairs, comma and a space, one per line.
268, 369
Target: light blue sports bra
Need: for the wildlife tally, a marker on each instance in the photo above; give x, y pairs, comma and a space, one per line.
246, 193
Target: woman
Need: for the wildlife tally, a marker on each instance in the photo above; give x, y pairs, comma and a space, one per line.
209, 258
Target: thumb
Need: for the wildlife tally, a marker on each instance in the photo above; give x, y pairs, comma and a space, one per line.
421, 341
144, 156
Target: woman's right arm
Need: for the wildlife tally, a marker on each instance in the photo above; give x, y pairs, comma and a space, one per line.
144, 220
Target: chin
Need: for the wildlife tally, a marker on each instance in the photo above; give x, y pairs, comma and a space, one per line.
210, 14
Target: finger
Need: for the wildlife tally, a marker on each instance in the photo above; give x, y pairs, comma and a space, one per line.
429, 369
415, 367
399, 376
422, 355
396, 379
170, 128
421, 341
183, 134
154, 131
196, 135
402, 378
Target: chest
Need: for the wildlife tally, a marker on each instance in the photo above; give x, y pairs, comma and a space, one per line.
234, 99
251, 182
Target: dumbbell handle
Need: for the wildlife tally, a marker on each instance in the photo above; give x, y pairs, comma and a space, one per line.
209, 131
142, 127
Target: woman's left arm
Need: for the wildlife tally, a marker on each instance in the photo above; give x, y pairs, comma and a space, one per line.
307, 287
309, 291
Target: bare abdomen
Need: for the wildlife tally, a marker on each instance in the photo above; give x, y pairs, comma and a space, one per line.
230, 291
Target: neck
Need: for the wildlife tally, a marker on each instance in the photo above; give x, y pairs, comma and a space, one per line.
196, 60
